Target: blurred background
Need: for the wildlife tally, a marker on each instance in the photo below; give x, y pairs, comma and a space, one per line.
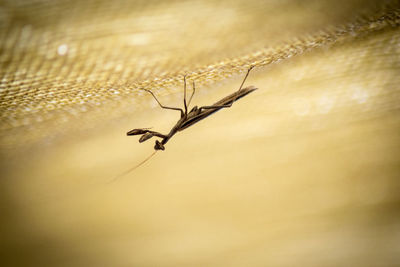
304, 171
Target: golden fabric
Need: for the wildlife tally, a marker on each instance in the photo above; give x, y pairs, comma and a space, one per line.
303, 171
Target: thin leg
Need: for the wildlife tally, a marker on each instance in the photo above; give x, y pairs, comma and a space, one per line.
229, 105
184, 93
194, 90
179, 109
247, 74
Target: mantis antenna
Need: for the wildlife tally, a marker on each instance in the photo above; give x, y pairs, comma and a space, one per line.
133, 168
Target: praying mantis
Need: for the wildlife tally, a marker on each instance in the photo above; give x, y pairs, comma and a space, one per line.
187, 119
190, 118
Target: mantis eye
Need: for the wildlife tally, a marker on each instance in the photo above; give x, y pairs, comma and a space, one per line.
145, 137
159, 146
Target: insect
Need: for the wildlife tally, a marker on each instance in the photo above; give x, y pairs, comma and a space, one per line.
187, 119
195, 115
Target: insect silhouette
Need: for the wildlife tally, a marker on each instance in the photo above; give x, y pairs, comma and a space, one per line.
195, 115
187, 119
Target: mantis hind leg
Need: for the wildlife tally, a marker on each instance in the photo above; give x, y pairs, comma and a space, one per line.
230, 104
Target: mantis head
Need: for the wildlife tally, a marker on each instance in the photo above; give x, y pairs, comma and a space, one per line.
146, 136
159, 146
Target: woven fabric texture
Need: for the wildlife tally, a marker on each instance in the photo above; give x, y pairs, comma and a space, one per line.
71, 65
303, 171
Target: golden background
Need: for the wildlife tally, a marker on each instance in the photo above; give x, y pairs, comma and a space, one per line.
302, 172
